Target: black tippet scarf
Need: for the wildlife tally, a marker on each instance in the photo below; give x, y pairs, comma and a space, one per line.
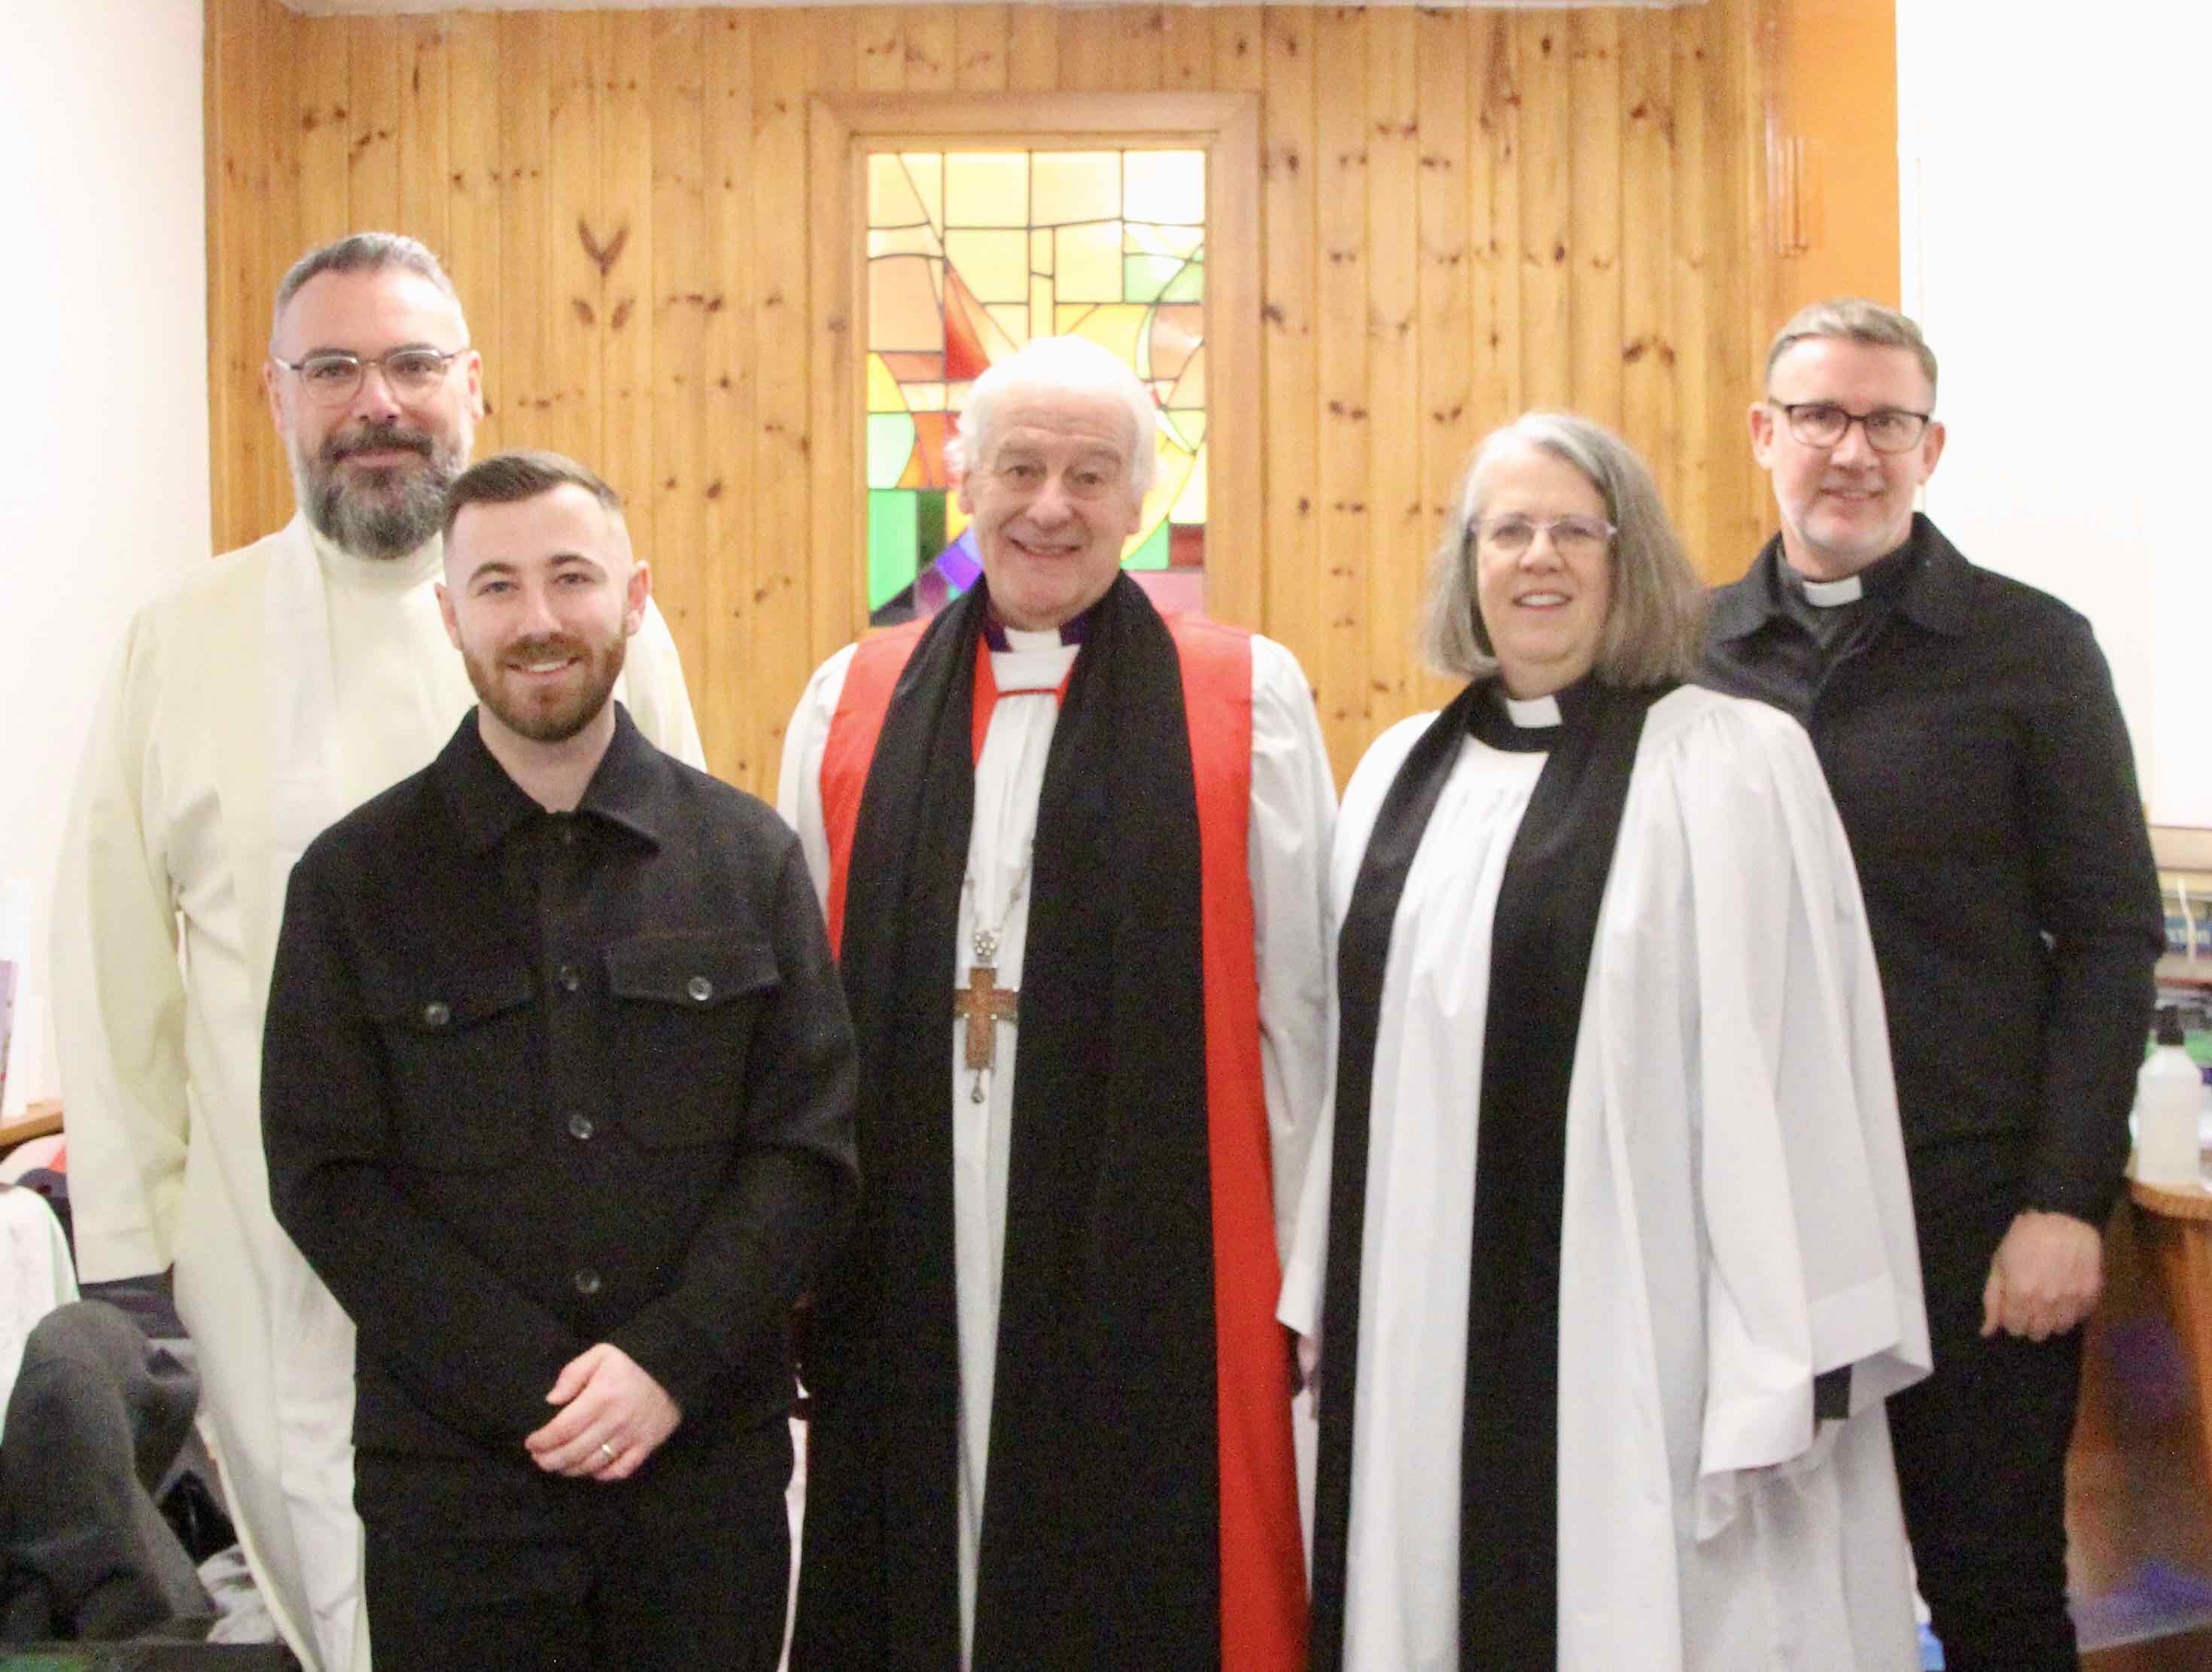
1540, 941
1100, 1534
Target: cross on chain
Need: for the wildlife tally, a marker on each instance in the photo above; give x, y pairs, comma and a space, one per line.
983, 1007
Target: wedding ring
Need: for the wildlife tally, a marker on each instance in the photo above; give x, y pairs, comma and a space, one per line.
606, 1452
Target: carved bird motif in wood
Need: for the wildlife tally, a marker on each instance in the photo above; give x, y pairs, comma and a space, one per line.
604, 256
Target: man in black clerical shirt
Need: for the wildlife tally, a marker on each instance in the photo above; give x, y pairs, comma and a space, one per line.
1975, 749
558, 1099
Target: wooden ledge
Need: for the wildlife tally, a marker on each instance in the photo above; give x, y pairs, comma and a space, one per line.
2183, 1201
39, 1120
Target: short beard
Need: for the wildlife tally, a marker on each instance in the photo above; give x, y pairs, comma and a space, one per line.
603, 665
388, 512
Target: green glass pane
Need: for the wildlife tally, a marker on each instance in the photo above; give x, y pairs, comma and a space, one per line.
1144, 276
929, 526
894, 523
1188, 285
1154, 553
890, 444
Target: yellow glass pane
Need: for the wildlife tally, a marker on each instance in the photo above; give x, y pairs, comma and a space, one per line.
1040, 307
987, 189
995, 265
1190, 503
904, 241
926, 170
1182, 242
1164, 185
882, 388
997, 344
1087, 262
955, 520
903, 312
1174, 476
1041, 250
1068, 317
1011, 318
930, 398
1190, 387
892, 200
1066, 186
1114, 327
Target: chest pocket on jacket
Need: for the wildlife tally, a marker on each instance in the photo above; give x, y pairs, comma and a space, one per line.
461, 1053
687, 1006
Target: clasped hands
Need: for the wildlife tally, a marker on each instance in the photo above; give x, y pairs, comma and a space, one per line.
613, 1416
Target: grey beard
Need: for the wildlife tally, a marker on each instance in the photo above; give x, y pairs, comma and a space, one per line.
382, 527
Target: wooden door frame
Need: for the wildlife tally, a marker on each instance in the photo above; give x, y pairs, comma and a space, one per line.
844, 129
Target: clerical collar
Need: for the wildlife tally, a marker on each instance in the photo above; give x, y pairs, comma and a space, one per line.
1880, 580
1531, 725
996, 634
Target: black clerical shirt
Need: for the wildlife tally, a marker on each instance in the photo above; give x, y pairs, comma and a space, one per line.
535, 1080
1976, 752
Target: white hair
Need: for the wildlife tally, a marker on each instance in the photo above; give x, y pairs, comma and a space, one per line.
1059, 362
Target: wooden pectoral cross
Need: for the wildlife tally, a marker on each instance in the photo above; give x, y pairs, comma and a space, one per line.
983, 1006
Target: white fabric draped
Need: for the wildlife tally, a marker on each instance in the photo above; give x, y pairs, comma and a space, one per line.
1735, 1220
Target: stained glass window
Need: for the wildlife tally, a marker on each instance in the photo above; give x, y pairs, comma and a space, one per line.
971, 254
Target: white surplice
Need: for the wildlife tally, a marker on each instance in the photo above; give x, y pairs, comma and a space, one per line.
1735, 1220
1293, 805
251, 707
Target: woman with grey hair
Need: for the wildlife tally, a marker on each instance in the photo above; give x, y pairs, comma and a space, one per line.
1605, 1253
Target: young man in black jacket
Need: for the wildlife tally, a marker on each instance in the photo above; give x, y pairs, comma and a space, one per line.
557, 1094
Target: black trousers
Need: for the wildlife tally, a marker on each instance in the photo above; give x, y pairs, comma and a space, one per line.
685, 1567
1981, 1445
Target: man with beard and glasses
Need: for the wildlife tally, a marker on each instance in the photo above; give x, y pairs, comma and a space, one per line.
558, 1095
291, 681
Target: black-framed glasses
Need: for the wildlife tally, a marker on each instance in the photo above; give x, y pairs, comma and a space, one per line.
333, 379
1822, 423
1512, 534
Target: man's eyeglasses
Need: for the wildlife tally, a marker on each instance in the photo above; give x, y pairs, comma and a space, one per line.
333, 380
1511, 535
1822, 423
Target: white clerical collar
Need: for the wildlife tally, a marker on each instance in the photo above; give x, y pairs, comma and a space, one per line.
1533, 715
1827, 594
1033, 663
342, 567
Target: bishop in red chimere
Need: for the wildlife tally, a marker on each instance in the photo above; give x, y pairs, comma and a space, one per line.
1073, 855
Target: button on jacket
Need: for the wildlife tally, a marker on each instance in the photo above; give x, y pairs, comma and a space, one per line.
535, 1080
1977, 754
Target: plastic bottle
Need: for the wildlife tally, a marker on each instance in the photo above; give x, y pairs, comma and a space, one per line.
2168, 1091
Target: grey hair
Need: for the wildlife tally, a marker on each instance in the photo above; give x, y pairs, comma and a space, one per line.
363, 252
1069, 363
510, 478
1855, 319
1655, 629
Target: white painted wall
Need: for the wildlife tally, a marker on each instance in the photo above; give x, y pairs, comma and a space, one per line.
103, 392
2054, 171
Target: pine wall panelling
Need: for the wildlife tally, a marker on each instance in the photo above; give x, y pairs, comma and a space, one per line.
1461, 213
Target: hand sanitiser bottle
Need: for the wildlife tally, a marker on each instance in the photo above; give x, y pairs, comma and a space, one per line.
2168, 1091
